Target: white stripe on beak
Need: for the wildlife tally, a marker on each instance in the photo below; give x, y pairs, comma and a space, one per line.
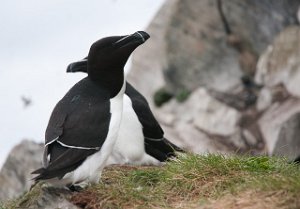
122, 39
141, 36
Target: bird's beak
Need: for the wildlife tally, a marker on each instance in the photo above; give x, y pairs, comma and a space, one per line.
138, 37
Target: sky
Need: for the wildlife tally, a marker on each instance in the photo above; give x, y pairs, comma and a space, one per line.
38, 39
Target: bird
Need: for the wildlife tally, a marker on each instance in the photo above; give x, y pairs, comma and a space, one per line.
147, 144
75, 150
26, 101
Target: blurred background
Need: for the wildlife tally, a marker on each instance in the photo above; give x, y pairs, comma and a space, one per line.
220, 76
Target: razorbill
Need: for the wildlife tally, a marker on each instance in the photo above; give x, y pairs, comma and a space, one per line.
140, 137
84, 125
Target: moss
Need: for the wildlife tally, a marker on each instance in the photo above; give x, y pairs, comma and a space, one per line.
183, 95
161, 96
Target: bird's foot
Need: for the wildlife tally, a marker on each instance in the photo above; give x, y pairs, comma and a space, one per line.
75, 188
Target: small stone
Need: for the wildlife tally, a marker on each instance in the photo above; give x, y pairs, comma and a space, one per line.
273, 120
264, 99
288, 142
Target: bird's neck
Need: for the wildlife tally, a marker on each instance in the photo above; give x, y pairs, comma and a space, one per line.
111, 79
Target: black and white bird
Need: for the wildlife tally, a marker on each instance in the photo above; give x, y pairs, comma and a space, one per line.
141, 139
84, 125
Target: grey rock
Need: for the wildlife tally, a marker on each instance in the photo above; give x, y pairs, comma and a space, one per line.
249, 137
204, 112
259, 22
213, 116
15, 174
202, 124
43, 197
195, 39
264, 99
237, 141
188, 37
188, 137
278, 70
273, 120
188, 46
280, 63
298, 15
189, 49
288, 142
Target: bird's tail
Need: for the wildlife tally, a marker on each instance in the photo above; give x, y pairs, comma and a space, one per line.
40, 173
174, 147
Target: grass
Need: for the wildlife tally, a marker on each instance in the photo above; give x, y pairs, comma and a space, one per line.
190, 179
193, 181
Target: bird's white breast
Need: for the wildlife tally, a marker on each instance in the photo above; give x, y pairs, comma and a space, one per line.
130, 145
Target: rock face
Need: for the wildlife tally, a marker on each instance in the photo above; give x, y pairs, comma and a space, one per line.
279, 71
192, 123
288, 144
273, 122
259, 22
280, 63
15, 173
191, 48
191, 61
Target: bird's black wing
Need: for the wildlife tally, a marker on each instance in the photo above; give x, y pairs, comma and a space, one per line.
77, 128
151, 127
155, 143
161, 149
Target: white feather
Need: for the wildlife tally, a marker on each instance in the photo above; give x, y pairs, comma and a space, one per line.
130, 147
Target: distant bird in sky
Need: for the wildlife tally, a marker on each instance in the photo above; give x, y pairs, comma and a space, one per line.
26, 101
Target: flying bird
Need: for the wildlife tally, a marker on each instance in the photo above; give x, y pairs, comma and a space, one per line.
75, 151
26, 101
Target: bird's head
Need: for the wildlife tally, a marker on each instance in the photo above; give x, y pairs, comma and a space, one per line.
112, 53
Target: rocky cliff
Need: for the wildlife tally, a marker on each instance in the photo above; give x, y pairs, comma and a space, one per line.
235, 63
